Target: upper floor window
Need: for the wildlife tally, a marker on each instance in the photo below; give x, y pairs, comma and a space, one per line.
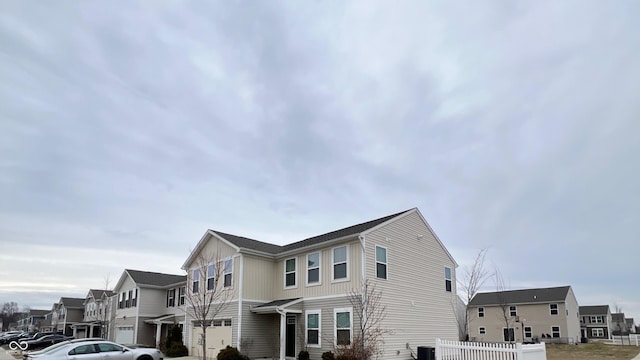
134, 299
121, 302
447, 278
181, 294
290, 272
171, 297
597, 320
129, 297
228, 272
553, 309
195, 281
211, 277
340, 263
381, 262
513, 311
313, 268
480, 312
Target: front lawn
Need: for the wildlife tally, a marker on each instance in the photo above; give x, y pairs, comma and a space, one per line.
592, 351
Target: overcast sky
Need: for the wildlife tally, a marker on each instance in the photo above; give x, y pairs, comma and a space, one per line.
129, 128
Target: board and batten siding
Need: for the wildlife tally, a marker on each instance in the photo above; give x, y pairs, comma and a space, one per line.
419, 309
327, 285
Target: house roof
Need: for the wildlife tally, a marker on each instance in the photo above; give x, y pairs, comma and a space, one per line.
594, 310
72, 303
278, 302
354, 230
524, 296
629, 321
619, 317
97, 294
33, 312
154, 278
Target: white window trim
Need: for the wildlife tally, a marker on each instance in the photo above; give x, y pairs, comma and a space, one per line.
333, 264
557, 309
515, 310
386, 263
295, 271
335, 324
193, 280
450, 279
530, 331
559, 331
599, 330
306, 328
319, 269
225, 273
215, 283
481, 329
479, 312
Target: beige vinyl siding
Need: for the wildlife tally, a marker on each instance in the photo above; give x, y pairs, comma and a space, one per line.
260, 333
215, 248
259, 278
127, 284
152, 302
419, 310
145, 333
327, 338
573, 316
327, 285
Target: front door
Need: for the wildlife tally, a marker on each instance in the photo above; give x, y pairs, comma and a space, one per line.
291, 337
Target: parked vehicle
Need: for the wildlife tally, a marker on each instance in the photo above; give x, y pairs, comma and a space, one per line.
45, 341
36, 353
13, 336
95, 349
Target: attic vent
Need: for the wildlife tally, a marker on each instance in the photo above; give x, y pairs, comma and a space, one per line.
535, 297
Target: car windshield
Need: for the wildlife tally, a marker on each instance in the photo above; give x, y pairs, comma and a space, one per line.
50, 348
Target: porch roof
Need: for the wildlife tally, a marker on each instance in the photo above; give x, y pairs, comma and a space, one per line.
165, 319
273, 306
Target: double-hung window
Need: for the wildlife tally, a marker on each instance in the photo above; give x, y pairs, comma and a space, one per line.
134, 300
195, 282
228, 273
181, 294
482, 330
513, 311
597, 332
480, 312
447, 278
555, 331
171, 297
129, 298
313, 328
527, 331
340, 263
290, 272
381, 262
211, 276
313, 268
553, 309
343, 326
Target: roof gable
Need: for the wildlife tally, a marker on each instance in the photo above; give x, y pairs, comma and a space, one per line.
72, 303
525, 296
154, 278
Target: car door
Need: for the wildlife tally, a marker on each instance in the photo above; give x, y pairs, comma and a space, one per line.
84, 352
111, 351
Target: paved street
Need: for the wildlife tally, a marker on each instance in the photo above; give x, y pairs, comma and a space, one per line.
5, 355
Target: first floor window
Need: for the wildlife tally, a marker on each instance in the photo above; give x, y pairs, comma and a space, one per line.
597, 332
509, 334
290, 272
480, 312
553, 309
555, 331
527, 331
343, 326
482, 330
228, 272
313, 328
381, 262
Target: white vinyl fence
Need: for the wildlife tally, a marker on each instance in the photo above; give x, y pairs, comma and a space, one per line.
457, 350
631, 339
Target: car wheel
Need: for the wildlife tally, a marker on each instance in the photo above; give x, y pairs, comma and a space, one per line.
145, 357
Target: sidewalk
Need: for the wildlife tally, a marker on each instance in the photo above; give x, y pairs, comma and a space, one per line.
637, 357
6, 355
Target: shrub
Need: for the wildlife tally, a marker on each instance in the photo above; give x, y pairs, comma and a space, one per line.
229, 353
177, 350
303, 355
328, 356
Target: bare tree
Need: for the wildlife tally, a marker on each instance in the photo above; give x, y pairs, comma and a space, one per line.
505, 307
104, 311
207, 296
370, 311
472, 279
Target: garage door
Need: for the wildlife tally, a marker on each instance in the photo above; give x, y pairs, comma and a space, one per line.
218, 337
124, 335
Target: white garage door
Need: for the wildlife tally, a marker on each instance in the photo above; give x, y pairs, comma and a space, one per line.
124, 335
218, 337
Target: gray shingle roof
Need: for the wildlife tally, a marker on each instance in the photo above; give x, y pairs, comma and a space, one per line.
97, 294
33, 312
525, 296
72, 303
243, 242
619, 317
594, 310
155, 279
278, 302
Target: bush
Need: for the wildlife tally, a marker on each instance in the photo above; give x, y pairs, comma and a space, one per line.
303, 355
328, 356
229, 353
177, 350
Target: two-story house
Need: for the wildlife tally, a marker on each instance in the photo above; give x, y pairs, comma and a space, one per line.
293, 297
68, 312
545, 314
49, 324
619, 324
595, 321
97, 314
34, 320
143, 311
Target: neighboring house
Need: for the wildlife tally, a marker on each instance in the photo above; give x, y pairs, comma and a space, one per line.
546, 314
34, 320
294, 297
49, 324
143, 312
595, 322
630, 325
618, 324
97, 314
68, 311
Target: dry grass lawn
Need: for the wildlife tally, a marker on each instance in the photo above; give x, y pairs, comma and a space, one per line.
592, 351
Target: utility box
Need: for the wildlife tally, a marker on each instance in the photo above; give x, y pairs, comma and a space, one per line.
426, 353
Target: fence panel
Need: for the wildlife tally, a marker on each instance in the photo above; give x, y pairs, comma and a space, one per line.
631, 339
457, 350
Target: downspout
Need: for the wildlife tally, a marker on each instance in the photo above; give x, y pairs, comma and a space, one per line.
283, 332
240, 295
138, 302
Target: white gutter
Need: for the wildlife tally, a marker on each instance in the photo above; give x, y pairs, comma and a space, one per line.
240, 295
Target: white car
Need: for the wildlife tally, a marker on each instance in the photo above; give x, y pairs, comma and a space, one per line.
94, 350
